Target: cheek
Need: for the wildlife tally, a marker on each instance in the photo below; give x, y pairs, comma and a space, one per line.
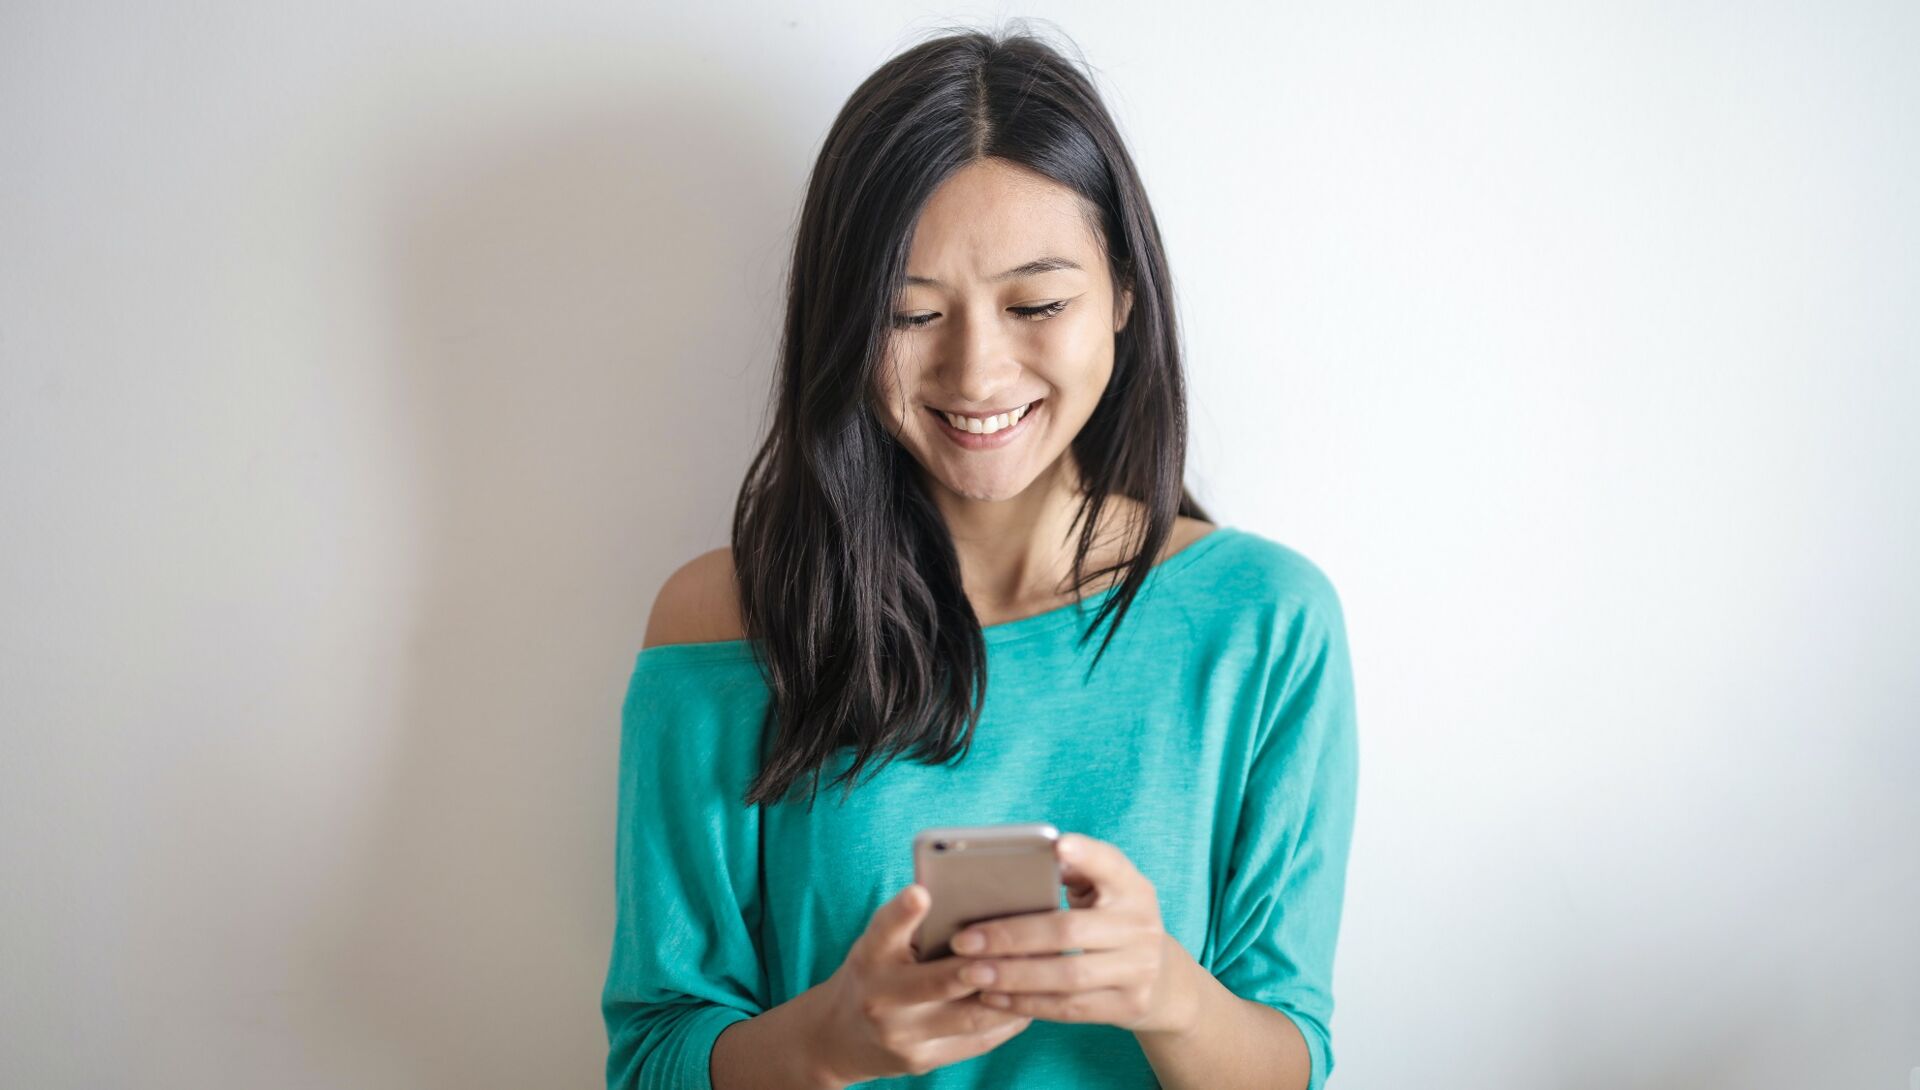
884, 393
887, 376
1081, 357
899, 366
1090, 333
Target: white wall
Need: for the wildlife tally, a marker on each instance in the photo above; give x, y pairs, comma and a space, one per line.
365, 371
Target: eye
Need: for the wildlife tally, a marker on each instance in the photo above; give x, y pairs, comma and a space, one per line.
1041, 313
1029, 314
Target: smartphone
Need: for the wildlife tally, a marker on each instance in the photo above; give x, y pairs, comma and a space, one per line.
982, 872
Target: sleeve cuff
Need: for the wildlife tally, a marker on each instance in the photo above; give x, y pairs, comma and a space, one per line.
1318, 1050
684, 1059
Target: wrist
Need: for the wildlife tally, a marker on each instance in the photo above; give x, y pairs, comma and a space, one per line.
1177, 1002
815, 1064
779, 1047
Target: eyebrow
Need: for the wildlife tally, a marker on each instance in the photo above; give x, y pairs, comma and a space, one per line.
1031, 268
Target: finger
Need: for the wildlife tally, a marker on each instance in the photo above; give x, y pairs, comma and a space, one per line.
1096, 1005
889, 934
1079, 973
931, 981
966, 1019
964, 1046
1054, 931
1087, 863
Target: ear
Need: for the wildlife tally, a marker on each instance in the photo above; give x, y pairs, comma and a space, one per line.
1125, 309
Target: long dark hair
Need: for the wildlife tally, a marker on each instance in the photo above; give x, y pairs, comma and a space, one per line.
848, 581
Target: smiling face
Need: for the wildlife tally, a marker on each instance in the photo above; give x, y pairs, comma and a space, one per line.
1008, 305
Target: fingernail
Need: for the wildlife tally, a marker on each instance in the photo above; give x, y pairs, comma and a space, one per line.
968, 941
978, 974
997, 999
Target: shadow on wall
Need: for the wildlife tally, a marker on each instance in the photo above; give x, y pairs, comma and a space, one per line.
583, 319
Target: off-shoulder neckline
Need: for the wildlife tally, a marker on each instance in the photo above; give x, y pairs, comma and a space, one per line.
741, 650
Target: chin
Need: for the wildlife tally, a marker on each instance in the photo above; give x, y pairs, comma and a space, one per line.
986, 491
989, 496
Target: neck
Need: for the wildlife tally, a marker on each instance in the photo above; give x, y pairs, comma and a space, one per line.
1019, 550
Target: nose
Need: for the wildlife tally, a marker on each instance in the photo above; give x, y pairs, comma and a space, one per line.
978, 360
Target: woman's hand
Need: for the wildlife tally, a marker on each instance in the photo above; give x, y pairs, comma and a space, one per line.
1129, 971
884, 1013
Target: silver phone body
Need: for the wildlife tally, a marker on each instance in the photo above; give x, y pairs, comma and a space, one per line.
982, 872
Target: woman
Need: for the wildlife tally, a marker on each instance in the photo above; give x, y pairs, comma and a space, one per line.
976, 459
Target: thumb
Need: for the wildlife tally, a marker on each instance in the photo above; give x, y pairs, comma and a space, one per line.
890, 932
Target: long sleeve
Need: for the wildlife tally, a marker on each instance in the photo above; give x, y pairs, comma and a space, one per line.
1280, 919
684, 963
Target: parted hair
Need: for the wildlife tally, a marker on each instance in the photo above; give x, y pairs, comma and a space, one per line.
848, 580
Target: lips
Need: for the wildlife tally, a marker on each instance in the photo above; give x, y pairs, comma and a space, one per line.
982, 441
1003, 419
985, 415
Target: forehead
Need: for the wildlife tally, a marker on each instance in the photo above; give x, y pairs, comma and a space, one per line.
991, 215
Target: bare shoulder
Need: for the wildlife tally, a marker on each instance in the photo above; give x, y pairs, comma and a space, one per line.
1186, 531
698, 603
1129, 513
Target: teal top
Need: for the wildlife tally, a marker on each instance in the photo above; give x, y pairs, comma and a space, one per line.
1214, 744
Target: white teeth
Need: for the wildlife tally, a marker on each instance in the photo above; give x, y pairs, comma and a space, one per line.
991, 424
